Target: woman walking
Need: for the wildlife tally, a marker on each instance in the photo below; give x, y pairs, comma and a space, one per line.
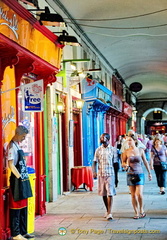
132, 162
158, 155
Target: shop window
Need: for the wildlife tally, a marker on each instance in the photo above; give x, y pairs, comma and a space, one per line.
27, 119
157, 115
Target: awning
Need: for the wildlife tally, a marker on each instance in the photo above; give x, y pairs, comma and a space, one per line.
25, 61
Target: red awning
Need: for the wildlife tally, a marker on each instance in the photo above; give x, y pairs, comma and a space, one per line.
25, 61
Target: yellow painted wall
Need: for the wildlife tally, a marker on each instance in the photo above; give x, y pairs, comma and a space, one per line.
8, 115
27, 36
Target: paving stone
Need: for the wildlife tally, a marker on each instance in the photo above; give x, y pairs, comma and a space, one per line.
81, 214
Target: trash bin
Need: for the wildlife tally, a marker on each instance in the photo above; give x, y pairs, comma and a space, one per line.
31, 202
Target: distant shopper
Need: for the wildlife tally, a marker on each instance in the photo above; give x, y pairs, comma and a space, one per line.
20, 188
144, 139
165, 139
117, 160
148, 147
158, 155
133, 157
125, 143
104, 157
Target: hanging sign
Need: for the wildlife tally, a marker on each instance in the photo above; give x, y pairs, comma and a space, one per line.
32, 97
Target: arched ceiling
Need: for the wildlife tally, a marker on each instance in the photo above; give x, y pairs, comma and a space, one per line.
130, 35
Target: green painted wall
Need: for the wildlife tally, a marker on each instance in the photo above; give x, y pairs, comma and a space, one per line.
46, 150
58, 152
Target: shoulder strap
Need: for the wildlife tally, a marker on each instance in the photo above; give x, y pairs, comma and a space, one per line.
156, 153
15, 144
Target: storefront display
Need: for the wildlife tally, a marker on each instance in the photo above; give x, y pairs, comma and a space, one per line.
22, 44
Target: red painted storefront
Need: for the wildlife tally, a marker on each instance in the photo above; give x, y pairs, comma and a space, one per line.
22, 39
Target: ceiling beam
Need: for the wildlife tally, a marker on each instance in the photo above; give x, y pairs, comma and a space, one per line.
152, 100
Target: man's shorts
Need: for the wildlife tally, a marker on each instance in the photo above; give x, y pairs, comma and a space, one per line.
106, 186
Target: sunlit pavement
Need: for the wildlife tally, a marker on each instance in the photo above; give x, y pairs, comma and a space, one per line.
79, 215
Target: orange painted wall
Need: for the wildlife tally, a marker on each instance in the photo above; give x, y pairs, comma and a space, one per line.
28, 37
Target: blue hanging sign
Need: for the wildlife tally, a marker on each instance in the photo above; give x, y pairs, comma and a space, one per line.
32, 97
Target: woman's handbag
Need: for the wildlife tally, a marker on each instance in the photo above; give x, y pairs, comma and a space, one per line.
164, 166
134, 178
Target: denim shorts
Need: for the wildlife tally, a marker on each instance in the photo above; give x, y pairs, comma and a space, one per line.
141, 182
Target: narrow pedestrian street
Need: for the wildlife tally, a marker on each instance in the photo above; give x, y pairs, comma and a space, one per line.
79, 215
75, 75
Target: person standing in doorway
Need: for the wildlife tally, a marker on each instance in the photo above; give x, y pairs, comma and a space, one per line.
106, 180
20, 188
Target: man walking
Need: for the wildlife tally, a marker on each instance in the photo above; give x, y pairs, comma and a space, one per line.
104, 157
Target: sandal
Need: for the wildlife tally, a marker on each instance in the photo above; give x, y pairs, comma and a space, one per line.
142, 215
136, 217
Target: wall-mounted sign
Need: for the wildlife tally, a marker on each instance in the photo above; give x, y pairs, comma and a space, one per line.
135, 87
32, 95
9, 19
127, 109
117, 103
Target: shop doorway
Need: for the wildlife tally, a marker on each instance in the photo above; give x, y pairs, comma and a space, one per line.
77, 140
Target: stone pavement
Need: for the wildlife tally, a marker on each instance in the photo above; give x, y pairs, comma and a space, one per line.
79, 215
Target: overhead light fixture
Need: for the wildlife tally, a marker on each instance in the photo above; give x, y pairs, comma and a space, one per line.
49, 19
77, 73
66, 39
33, 3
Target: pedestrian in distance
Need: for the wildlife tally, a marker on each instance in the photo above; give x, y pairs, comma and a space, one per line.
158, 155
125, 144
165, 139
106, 180
117, 158
133, 157
20, 188
148, 148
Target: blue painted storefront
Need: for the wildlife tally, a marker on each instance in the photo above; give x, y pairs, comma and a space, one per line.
97, 102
